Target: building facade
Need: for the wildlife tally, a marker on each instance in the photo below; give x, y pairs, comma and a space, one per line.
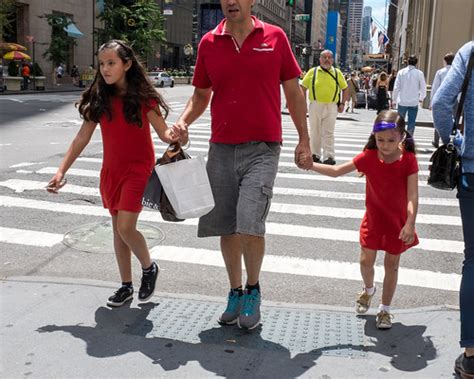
365, 35
32, 30
429, 29
355, 27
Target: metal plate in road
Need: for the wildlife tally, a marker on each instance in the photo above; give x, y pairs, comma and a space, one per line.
97, 237
297, 331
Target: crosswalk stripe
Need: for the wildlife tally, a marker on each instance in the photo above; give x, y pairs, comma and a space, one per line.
21, 185
272, 263
29, 237
280, 164
309, 176
355, 213
279, 229
311, 267
291, 148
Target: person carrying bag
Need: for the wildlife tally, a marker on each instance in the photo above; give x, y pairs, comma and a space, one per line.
445, 161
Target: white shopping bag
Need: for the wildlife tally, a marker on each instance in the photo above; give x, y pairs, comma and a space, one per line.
187, 186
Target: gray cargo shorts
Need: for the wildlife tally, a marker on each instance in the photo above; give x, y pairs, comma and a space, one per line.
242, 178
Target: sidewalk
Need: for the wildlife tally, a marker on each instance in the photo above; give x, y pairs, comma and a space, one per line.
62, 88
54, 327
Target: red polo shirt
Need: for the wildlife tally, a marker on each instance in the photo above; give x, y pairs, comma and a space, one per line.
246, 103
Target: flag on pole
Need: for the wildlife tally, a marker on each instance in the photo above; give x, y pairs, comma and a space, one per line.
373, 27
380, 38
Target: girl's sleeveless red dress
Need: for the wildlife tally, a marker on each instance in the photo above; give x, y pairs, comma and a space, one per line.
385, 200
128, 160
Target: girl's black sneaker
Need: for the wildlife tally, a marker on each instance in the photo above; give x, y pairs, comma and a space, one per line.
148, 285
120, 297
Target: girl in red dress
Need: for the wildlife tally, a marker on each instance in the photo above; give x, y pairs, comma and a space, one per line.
124, 102
389, 164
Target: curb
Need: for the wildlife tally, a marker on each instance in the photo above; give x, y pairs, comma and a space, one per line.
213, 299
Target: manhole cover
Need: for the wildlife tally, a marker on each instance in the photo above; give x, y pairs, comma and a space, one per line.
97, 237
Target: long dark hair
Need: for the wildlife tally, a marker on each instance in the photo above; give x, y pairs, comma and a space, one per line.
392, 116
95, 100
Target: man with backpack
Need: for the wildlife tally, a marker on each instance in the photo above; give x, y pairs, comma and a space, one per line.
325, 84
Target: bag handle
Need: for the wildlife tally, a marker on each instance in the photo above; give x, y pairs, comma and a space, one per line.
465, 84
173, 150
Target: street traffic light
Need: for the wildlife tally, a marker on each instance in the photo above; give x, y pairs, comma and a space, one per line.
290, 3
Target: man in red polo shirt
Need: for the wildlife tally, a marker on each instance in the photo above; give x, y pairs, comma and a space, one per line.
242, 63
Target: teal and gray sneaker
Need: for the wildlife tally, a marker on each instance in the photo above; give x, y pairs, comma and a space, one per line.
231, 313
250, 311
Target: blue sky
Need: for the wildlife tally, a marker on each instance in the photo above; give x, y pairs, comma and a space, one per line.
378, 11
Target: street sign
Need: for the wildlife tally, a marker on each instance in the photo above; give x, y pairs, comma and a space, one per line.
302, 17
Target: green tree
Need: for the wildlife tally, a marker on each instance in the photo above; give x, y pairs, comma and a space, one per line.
58, 50
7, 9
139, 24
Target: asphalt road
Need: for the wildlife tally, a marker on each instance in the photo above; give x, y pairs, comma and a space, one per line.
312, 241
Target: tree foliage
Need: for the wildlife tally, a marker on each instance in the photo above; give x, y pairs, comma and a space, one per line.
7, 9
139, 24
58, 50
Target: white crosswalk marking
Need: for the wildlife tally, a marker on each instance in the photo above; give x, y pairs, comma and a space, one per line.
307, 208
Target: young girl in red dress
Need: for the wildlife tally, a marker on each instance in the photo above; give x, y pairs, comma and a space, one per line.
124, 102
389, 164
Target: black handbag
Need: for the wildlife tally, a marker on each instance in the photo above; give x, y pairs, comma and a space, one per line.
445, 167
154, 196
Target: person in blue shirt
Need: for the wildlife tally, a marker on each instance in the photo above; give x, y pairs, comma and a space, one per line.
443, 103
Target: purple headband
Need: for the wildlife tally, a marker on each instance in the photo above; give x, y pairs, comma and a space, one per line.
383, 125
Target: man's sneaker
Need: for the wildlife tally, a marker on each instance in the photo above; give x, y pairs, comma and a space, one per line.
464, 367
120, 297
147, 288
363, 301
250, 311
383, 320
231, 313
316, 159
330, 161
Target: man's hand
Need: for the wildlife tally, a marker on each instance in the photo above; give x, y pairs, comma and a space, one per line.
303, 158
340, 108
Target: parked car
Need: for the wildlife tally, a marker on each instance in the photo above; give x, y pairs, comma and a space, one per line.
161, 79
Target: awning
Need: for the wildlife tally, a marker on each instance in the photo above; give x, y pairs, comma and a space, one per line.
72, 30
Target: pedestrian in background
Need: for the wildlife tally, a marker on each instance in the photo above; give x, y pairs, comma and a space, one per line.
353, 88
124, 102
389, 164
325, 84
25, 73
443, 103
438, 79
409, 91
391, 84
75, 75
245, 144
58, 74
381, 90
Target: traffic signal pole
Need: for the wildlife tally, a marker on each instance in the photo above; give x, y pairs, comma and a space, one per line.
291, 4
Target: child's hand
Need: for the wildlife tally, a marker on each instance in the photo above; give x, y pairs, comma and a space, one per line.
56, 183
180, 132
407, 234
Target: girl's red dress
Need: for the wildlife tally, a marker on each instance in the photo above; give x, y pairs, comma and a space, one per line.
385, 201
129, 158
